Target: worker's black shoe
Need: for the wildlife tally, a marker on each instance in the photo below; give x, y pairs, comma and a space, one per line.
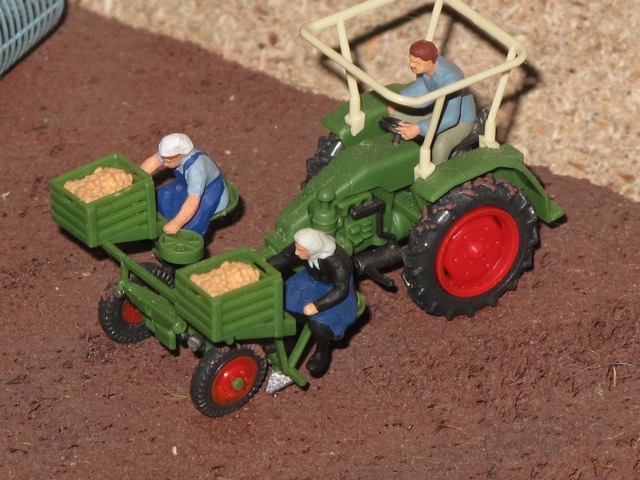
318, 363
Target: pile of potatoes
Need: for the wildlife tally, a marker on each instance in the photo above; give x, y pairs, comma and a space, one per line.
227, 277
102, 182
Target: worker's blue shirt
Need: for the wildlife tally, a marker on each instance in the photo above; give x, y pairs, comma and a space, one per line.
459, 107
199, 172
198, 175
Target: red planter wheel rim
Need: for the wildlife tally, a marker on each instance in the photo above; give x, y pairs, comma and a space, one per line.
477, 252
234, 380
131, 314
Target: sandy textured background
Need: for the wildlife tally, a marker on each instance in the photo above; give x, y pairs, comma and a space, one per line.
571, 108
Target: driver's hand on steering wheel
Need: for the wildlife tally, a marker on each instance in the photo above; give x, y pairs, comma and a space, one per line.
408, 131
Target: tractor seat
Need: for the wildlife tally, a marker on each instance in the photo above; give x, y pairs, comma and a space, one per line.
234, 199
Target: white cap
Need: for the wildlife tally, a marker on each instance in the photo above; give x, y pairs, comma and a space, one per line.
175, 144
317, 243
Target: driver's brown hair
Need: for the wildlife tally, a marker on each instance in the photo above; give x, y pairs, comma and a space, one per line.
424, 50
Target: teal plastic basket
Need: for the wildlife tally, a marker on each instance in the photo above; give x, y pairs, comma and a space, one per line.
23, 23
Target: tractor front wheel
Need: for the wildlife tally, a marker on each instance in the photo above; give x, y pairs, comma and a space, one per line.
225, 380
471, 247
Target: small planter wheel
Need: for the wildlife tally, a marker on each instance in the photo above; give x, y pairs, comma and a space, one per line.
225, 380
119, 318
183, 248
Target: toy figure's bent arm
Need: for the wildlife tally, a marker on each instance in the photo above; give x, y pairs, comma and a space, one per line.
285, 259
186, 213
151, 164
340, 268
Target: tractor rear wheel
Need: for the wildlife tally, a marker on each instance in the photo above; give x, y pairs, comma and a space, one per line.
226, 379
471, 247
119, 318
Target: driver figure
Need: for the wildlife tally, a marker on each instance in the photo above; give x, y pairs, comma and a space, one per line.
198, 191
459, 112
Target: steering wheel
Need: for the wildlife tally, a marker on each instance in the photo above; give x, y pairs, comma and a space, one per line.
390, 124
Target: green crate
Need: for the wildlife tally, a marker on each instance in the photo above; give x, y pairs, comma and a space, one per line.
251, 312
125, 216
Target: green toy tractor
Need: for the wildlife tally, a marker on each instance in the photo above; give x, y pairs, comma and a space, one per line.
469, 225
463, 231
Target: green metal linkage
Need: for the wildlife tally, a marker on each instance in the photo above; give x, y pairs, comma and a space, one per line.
155, 300
288, 365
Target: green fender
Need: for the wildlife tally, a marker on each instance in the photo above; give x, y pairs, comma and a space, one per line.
505, 163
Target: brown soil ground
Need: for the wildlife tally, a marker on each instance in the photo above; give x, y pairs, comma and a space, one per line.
544, 385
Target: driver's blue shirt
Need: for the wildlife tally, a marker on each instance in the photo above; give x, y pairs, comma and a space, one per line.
459, 106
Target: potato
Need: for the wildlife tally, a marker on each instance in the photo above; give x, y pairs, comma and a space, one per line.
227, 277
102, 182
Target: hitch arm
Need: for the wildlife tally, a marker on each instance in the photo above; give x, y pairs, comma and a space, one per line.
371, 262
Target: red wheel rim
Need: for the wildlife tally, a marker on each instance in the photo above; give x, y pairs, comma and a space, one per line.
131, 314
235, 380
477, 252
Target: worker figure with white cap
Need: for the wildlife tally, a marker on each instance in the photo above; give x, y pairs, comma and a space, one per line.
322, 294
199, 190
